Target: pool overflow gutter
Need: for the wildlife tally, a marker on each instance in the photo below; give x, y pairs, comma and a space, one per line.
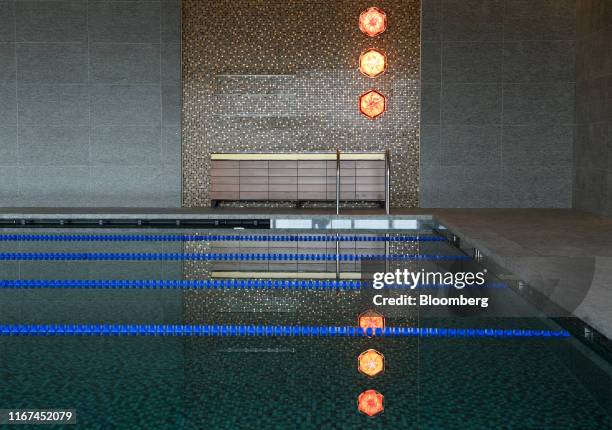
207, 223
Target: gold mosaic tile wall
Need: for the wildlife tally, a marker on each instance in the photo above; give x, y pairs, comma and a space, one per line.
280, 75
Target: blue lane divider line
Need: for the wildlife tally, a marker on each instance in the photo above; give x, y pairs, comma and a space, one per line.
210, 238
246, 284
266, 331
192, 256
206, 284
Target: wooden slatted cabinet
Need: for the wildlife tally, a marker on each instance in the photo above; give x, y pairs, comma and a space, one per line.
297, 177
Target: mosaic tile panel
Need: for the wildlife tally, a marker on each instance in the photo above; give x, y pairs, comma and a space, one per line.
283, 76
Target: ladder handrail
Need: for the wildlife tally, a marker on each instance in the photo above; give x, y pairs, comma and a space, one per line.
337, 181
387, 181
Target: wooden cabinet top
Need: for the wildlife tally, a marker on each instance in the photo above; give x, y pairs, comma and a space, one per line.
287, 156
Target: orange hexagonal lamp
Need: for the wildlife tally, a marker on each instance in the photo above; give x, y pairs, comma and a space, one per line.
371, 363
370, 403
372, 63
373, 21
372, 104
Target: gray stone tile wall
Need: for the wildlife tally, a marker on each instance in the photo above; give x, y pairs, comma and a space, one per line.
90, 103
593, 144
497, 103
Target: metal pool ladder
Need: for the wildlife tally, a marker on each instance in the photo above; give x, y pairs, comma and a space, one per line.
387, 204
387, 182
337, 181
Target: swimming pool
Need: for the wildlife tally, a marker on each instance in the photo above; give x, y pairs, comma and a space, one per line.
257, 328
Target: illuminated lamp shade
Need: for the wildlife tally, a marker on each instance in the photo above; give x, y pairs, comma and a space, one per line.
372, 63
372, 104
373, 21
371, 363
370, 403
371, 319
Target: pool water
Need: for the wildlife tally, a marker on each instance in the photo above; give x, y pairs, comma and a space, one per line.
174, 380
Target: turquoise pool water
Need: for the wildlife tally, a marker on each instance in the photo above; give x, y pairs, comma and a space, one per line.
259, 382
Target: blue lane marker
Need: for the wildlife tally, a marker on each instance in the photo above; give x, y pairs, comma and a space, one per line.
192, 256
205, 284
241, 284
210, 238
265, 331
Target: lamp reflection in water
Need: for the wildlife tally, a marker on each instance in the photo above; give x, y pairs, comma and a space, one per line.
371, 363
371, 319
370, 403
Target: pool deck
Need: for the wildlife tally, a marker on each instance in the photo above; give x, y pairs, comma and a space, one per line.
566, 254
